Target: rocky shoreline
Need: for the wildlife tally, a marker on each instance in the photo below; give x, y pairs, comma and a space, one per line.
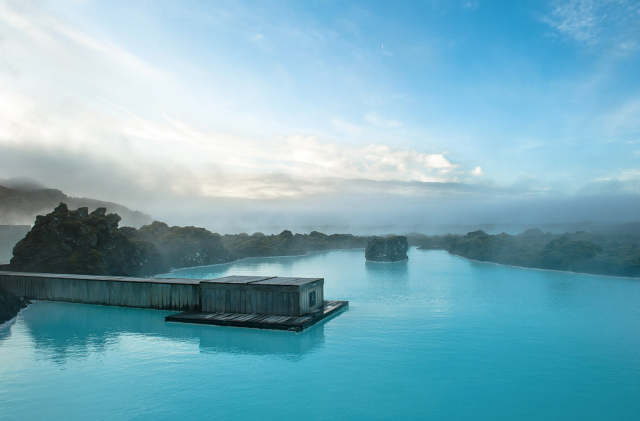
79, 242
10, 305
387, 249
91, 243
610, 254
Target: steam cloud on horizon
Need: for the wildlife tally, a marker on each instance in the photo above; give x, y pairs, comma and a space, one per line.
286, 120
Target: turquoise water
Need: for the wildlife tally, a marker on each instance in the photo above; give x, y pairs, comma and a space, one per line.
437, 337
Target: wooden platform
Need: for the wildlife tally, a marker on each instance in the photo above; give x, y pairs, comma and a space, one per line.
295, 324
264, 302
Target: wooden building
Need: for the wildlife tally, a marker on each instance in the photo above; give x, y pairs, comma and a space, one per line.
264, 302
277, 296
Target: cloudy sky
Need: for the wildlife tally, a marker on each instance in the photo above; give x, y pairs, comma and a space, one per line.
270, 105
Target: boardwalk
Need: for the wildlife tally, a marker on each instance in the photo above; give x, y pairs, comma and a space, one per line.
265, 302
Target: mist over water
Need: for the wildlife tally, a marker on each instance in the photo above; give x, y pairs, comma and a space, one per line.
358, 213
378, 215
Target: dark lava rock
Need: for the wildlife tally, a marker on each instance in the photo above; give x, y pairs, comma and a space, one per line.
68, 241
10, 305
316, 241
566, 254
182, 247
260, 245
389, 249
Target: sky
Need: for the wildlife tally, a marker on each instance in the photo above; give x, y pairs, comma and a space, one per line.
321, 112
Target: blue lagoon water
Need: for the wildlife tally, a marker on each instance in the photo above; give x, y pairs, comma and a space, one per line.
437, 337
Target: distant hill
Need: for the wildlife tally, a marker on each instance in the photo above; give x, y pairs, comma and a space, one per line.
22, 184
22, 199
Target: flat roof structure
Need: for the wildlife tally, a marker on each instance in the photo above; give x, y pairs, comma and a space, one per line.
267, 302
267, 295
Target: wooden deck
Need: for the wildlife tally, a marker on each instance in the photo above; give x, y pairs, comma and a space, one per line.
295, 324
264, 302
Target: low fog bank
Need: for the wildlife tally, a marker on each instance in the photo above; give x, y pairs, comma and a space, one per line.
378, 215
448, 210
22, 199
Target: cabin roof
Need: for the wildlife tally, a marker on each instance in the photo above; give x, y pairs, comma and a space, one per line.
263, 280
234, 279
182, 281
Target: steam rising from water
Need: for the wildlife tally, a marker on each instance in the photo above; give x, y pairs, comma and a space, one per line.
326, 135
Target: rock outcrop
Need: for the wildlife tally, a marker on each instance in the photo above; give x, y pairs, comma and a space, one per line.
317, 241
10, 305
182, 247
260, 245
615, 253
388, 249
68, 241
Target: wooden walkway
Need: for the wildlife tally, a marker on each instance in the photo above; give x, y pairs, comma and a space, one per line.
295, 324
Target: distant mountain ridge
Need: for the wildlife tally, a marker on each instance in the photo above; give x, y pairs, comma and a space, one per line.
22, 199
22, 184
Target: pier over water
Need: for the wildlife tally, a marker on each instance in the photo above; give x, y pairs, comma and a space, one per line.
267, 302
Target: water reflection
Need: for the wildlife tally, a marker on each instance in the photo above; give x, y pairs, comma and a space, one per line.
66, 331
5, 330
215, 339
398, 271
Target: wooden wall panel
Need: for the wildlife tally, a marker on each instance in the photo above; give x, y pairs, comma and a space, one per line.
277, 300
162, 296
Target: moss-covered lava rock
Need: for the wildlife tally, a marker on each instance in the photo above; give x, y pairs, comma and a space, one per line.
605, 253
387, 249
76, 241
10, 305
260, 245
317, 241
184, 246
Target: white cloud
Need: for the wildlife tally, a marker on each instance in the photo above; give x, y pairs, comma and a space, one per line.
346, 127
49, 37
189, 160
62, 120
623, 119
609, 23
629, 174
477, 171
622, 182
576, 18
261, 41
470, 5
374, 162
379, 121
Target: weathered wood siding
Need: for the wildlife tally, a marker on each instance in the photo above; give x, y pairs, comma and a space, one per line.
304, 304
271, 296
114, 291
249, 299
258, 299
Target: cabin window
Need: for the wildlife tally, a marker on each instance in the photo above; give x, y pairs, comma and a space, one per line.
312, 299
